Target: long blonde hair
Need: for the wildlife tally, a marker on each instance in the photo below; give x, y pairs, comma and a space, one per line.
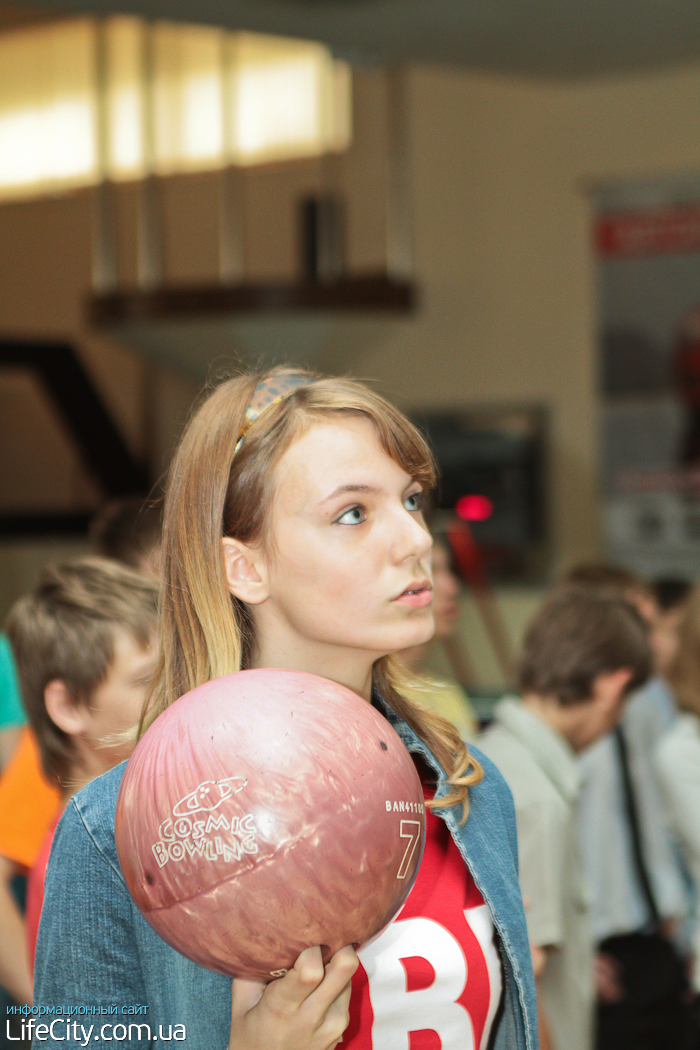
214, 491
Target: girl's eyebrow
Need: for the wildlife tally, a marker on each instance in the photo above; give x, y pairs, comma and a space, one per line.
344, 489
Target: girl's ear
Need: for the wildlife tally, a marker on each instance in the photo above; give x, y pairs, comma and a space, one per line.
245, 571
63, 709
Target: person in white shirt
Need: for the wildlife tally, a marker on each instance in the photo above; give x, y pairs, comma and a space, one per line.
583, 653
677, 758
638, 890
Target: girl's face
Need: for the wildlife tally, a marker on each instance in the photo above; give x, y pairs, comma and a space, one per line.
347, 572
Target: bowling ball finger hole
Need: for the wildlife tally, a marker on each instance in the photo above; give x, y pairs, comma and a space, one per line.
383, 745
149, 880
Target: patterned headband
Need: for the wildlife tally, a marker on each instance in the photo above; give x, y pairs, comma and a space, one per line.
269, 392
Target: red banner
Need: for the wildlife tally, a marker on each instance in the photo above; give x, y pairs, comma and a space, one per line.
655, 231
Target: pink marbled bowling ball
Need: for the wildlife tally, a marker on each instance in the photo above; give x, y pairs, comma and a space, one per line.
265, 812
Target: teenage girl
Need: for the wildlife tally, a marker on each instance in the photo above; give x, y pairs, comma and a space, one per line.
294, 538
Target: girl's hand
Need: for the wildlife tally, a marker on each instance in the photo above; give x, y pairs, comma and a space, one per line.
307, 1009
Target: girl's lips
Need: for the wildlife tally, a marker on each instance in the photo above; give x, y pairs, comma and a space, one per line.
416, 599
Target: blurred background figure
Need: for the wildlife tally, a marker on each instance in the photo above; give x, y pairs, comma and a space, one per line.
677, 758
29, 801
83, 642
584, 650
129, 530
639, 895
11, 714
671, 596
445, 696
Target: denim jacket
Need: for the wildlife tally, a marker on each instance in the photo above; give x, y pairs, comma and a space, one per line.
97, 955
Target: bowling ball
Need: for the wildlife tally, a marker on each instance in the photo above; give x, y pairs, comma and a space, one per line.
265, 812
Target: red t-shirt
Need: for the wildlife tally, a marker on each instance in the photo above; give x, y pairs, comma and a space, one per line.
35, 890
432, 980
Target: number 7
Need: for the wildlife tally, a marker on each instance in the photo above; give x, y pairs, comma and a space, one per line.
410, 829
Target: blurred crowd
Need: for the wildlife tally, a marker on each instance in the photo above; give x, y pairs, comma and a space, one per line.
74, 669
599, 742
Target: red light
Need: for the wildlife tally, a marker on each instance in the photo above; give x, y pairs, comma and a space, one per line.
474, 508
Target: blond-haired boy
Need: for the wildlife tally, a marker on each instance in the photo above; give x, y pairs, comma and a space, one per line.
83, 642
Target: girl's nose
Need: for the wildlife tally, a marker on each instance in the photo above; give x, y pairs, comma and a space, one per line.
411, 539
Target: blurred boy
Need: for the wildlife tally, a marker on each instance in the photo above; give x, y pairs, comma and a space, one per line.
583, 653
636, 883
84, 646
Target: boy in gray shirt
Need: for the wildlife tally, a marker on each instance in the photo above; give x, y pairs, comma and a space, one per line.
583, 653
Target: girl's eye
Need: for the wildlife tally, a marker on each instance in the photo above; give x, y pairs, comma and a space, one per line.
414, 501
354, 516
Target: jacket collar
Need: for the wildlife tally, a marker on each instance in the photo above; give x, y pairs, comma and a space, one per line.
553, 754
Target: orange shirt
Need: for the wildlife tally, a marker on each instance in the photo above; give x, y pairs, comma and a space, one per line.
27, 803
